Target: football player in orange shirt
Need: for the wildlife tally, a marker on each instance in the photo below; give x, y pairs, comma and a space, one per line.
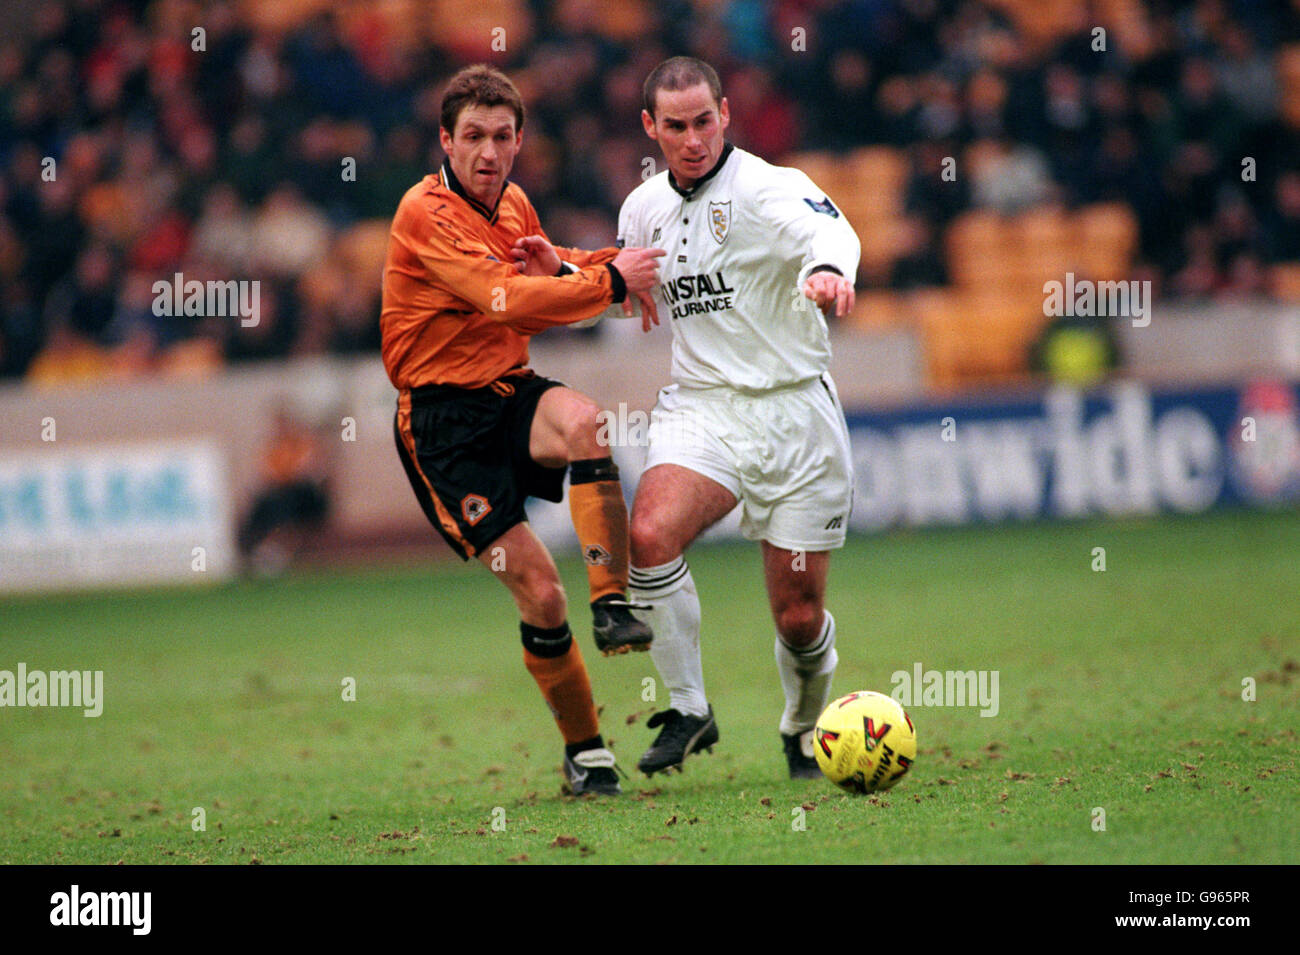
470, 277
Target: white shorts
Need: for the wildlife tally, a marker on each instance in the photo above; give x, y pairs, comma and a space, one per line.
784, 454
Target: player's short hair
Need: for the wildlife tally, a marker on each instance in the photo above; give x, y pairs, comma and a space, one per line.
679, 73
479, 85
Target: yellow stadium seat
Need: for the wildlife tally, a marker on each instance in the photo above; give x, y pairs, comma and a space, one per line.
1284, 280
878, 308
978, 246
1288, 66
1108, 240
364, 246
1045, 247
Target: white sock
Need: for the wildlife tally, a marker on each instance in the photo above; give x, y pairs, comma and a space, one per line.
806, 678
675, 620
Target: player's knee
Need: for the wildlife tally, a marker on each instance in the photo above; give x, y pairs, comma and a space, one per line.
540, 597
650, 541
800, 622
581, 431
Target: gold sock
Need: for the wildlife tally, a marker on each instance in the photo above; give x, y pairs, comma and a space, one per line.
600, 518
564, 683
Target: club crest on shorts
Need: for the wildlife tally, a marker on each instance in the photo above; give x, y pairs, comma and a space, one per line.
720, 219
474, 507
595, 554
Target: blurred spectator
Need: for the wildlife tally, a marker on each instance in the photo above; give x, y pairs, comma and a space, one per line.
292, 500
84, 301
288, 235
1075, 350
1282, 228
1009, 177
223, 234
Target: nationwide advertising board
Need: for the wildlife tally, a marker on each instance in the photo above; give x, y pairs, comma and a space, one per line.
1126, 449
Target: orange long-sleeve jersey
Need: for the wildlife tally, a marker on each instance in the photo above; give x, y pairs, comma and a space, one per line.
455, 311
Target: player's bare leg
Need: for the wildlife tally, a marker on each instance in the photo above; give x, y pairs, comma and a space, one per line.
805, 646
673, 506
565, 430
521, 562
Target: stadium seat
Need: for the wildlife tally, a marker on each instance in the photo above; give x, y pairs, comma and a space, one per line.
881, 174
875, 309
1109, 234
976, 336
363, 248
820, 166
935, 310
978, 248
282, 16
469, 28
194, 358
1041, 20
1045, 245
878, 236
1284, 281
1288, 67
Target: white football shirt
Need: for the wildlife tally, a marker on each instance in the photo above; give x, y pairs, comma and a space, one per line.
740, 244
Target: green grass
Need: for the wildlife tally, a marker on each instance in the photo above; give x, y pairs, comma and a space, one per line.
1120, 690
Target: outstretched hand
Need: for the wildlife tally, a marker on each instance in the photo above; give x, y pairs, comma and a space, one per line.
649, 313
640, 271
827, 287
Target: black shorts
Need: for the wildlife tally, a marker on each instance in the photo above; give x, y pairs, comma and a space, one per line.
465, 451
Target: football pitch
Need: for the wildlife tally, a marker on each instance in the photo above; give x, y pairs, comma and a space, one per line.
1121, 734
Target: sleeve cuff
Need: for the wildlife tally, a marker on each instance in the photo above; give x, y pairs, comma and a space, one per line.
616, 282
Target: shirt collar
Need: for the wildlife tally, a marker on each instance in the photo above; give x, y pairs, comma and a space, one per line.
451, 182
690, 192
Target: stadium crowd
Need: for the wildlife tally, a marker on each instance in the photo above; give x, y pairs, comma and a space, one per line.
223, 153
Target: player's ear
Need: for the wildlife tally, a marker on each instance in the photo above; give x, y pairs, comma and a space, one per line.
648, 124
724, 114
444, 138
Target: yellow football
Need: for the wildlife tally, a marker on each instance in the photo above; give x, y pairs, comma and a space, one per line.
864, 742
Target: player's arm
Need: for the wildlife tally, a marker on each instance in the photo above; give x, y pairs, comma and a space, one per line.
535, 254
582, 258
632, 235
810, 228
466, 269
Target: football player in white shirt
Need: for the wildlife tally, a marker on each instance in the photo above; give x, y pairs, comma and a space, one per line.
754, 253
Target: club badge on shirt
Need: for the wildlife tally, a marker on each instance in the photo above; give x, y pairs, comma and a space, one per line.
720, 220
